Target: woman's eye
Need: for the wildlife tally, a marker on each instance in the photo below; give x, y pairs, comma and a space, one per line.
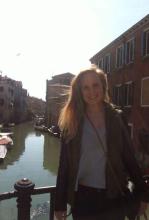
85, 88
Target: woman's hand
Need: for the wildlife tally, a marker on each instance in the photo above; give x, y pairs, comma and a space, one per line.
143, 207
60, 215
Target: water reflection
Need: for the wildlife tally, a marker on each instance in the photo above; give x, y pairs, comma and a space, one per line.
50, 147
51, 153
35, 155
19, 136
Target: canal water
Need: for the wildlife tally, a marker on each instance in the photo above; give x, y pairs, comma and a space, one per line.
35, 156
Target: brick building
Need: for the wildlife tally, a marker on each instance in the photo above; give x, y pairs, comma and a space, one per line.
56, 94
35, 106
126, 62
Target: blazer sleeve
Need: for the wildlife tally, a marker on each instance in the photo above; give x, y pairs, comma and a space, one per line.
131, 164
61, 184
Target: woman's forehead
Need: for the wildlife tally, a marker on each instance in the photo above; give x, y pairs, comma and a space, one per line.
90, 76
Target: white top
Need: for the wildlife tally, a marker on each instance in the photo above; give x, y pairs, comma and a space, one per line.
92, 159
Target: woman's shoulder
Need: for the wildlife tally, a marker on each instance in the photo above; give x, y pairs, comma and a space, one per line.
118, 114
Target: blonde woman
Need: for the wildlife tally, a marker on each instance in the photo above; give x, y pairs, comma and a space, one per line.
96, 154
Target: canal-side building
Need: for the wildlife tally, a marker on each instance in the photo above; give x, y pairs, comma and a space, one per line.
35, 106
6, 99
20, 103
56, 94
62, 79
13, 106
126, 62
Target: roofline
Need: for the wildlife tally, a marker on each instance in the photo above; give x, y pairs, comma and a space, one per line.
63, 74
59, 85
134, 27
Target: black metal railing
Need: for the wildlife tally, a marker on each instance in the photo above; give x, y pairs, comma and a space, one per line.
24, 189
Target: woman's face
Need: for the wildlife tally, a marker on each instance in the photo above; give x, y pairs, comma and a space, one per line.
91, 88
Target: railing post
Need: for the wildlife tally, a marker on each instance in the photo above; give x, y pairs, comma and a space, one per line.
52, 201
24, 188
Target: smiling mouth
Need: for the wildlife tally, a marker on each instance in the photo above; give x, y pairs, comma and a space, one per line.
93, 98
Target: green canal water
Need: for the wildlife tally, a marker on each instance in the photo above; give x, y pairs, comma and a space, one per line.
35, 155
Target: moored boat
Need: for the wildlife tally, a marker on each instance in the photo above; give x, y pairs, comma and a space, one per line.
6, 140
9, 134
40, 128
54, 131
3, 152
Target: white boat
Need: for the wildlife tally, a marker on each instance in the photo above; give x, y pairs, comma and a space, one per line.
6, 140
6, 133
3, 152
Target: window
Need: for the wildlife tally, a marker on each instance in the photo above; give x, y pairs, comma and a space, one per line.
100, 63
120, 56
11, 104
1, 116
129, 49
11, 91
123, 94
1, 88
128, 93
107, 63
145, 43
1, 102
117, 95
145, 92
130, 129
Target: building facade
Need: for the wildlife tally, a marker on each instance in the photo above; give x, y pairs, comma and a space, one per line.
13, 106
56, 94
35, 106
126, 63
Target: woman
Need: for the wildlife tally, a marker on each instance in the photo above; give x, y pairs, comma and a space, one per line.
96, 157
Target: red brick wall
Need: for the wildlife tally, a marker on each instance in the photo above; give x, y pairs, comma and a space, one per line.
136, 114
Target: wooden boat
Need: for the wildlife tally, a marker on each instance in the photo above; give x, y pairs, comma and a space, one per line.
3, 152
54, 131
11, 124
39, 120
40, 128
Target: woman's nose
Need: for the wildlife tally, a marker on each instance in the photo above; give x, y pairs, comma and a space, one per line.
92, 91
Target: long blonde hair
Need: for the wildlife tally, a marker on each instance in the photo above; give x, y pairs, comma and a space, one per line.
74, 109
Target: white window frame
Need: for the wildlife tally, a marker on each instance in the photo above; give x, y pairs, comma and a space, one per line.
118, 86
121, 58
141, 90
131, 42
127, 98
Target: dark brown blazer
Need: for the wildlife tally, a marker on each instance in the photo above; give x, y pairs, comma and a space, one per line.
120, 160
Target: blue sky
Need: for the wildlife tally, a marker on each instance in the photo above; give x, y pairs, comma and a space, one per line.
42, 38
